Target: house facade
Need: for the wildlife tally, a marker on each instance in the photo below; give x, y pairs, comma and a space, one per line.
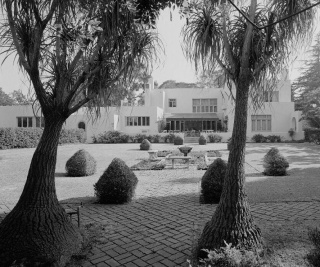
178, 110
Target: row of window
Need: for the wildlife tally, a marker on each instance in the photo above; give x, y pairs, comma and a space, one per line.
137, 121
200, 105
27, 122
210, 104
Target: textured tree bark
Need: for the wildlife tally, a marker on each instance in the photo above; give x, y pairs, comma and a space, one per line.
38, 229
232, 221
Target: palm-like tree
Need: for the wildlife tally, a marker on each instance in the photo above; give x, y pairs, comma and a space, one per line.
251, 59
75, 53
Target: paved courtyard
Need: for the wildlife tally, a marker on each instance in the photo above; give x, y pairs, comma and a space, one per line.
159, 227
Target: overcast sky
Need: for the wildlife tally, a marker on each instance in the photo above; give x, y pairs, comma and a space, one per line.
173, 64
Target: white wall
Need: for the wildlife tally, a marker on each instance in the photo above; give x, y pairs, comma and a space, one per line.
9, 114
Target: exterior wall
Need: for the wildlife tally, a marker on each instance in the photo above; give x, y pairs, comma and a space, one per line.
184, 98
9, 114
153, 112
109, 120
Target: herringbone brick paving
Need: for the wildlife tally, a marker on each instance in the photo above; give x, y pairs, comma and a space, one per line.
158, 227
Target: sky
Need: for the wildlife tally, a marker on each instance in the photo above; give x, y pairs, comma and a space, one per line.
173, 65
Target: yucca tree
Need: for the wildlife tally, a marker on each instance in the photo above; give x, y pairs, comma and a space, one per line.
75, 53
251, 58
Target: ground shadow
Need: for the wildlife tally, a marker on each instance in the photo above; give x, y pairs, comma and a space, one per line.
186, 181
60, 174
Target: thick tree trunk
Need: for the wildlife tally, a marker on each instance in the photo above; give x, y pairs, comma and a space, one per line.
38, 229
232, 221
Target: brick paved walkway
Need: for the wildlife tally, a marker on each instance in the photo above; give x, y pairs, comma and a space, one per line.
158, 227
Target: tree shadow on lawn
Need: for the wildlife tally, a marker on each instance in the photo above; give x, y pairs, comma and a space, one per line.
301, 184
194, 180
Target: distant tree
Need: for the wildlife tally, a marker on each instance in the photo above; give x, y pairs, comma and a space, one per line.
19, 98
306, 88
174, 84
5, 99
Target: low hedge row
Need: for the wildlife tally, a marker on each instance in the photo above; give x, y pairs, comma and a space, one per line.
29, 137
259, 138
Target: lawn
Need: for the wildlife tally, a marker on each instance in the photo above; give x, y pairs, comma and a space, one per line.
302, 183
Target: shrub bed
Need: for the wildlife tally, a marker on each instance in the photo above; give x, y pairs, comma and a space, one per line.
111, 137
214, 138
212, 181
81, 164
259, 138
117, 184
29, 137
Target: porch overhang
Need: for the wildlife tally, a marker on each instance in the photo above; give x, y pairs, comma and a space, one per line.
193, 117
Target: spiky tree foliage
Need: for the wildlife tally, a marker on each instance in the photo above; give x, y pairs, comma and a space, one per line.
251, 58
75, 53
306, 87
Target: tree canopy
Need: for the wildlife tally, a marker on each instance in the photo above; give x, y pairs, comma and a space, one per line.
306, 88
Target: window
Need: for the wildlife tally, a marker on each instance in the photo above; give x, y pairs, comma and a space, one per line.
40, 122
204, 105
172, 103
137, 121
271, 96
24, 122
261, 123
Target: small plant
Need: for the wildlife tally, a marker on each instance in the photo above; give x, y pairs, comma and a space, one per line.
229, 256
274, 163
314, 255
214, 138
81, 164
178, 140
117, 184
212, 181
291, 133
202, 140
259, 138
145, 145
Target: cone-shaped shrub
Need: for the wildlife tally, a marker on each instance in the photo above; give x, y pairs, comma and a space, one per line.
178, 140
117, 184
145, 145
81, 164
212, 181
274, 163
202, 140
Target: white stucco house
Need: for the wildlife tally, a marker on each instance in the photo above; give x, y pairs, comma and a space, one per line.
182, 109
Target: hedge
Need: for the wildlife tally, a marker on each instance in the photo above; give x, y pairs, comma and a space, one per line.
312, 135
29, 137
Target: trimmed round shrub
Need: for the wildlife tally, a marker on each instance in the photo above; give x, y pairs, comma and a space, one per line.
212, 181
145, 145
178, 140
81, 164
202, 140
117, 184
274, 163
